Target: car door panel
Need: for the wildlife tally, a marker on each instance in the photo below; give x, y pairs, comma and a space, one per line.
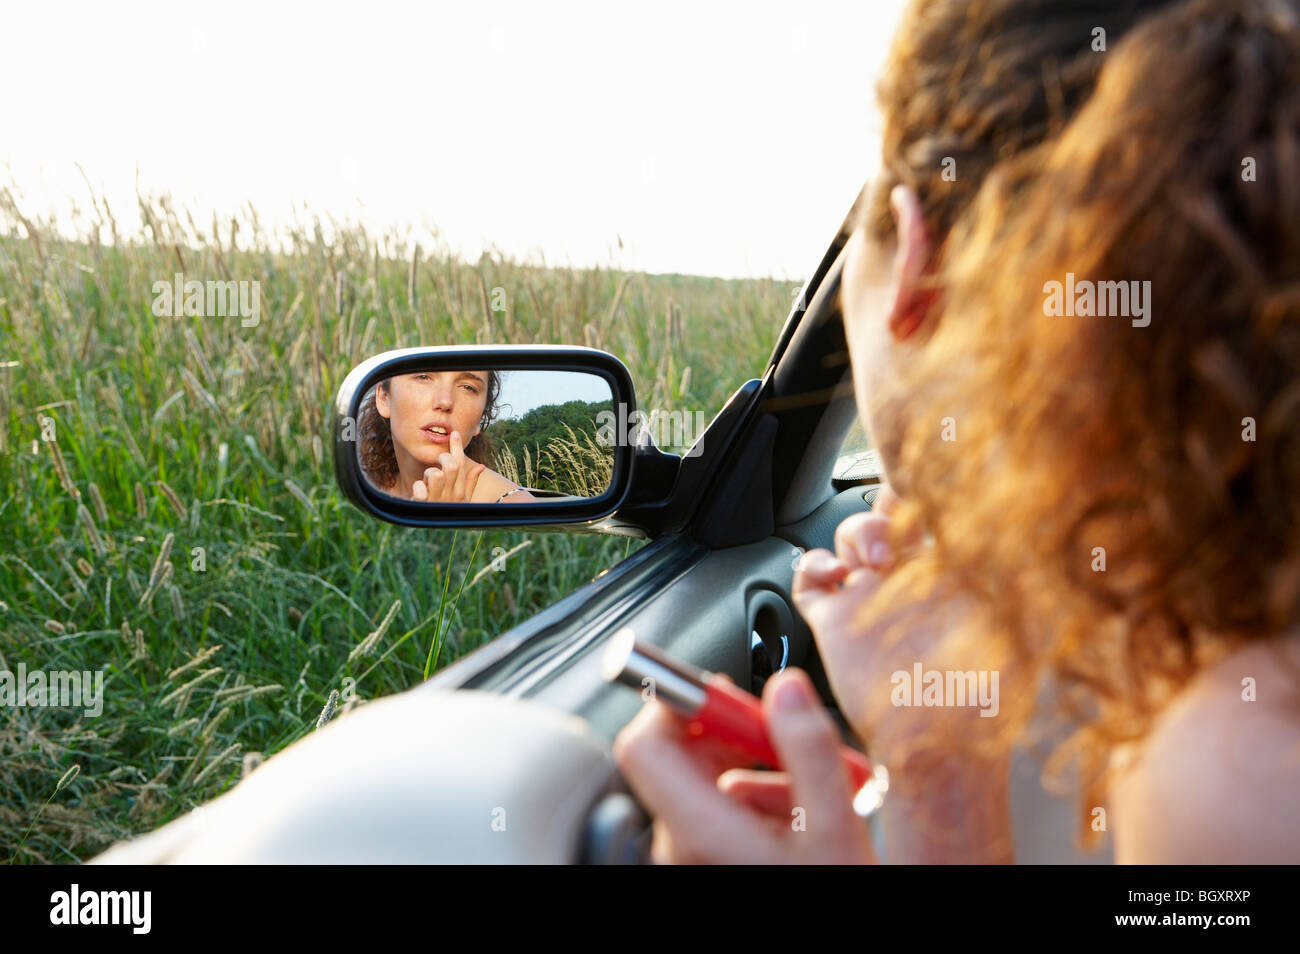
702, 618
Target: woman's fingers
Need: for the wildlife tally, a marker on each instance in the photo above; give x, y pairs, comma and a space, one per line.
434, 482
458, 463
862, 540
818, 569
808, 743
817, 582
769, 793
449, 481
662, 850
450, 468
471, 482
866, 539
706, 810
886, 504
676, 788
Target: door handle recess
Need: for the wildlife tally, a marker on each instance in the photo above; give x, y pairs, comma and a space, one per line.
770, 625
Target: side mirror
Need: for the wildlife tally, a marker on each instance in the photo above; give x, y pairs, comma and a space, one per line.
486, 436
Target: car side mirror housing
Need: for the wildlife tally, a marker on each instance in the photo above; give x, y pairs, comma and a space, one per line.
488, 436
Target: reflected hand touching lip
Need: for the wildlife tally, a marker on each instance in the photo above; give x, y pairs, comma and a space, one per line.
453, 479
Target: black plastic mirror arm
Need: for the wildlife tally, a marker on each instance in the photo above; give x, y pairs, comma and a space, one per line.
658, 511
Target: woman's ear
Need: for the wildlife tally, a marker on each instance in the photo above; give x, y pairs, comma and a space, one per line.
381, 401
910, 299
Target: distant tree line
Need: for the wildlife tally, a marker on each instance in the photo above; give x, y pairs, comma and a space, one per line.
542, 432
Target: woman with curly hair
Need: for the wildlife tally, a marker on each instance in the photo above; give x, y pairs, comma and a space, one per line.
424, 437
1102, 509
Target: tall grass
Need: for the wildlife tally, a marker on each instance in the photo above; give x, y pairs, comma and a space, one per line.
577, 463
169, 514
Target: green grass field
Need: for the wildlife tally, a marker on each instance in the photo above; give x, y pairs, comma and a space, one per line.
169, 515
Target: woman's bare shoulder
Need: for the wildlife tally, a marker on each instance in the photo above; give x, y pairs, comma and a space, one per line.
491, 485
1218, 778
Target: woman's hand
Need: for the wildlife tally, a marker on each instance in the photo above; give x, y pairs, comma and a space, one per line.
861, 652
452, 479
709, 809
943, 806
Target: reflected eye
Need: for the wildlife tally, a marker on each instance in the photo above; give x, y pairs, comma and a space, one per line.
470, 388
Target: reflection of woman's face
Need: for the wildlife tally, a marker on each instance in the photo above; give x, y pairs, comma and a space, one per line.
423, 409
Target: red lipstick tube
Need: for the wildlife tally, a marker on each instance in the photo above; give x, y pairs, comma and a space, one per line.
716, 708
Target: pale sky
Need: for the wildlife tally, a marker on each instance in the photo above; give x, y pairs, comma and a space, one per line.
525, 390
712, 138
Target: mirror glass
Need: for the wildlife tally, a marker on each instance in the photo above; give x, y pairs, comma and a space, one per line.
483, 436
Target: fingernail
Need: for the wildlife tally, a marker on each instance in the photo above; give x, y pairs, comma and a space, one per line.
880, 553
791, 695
